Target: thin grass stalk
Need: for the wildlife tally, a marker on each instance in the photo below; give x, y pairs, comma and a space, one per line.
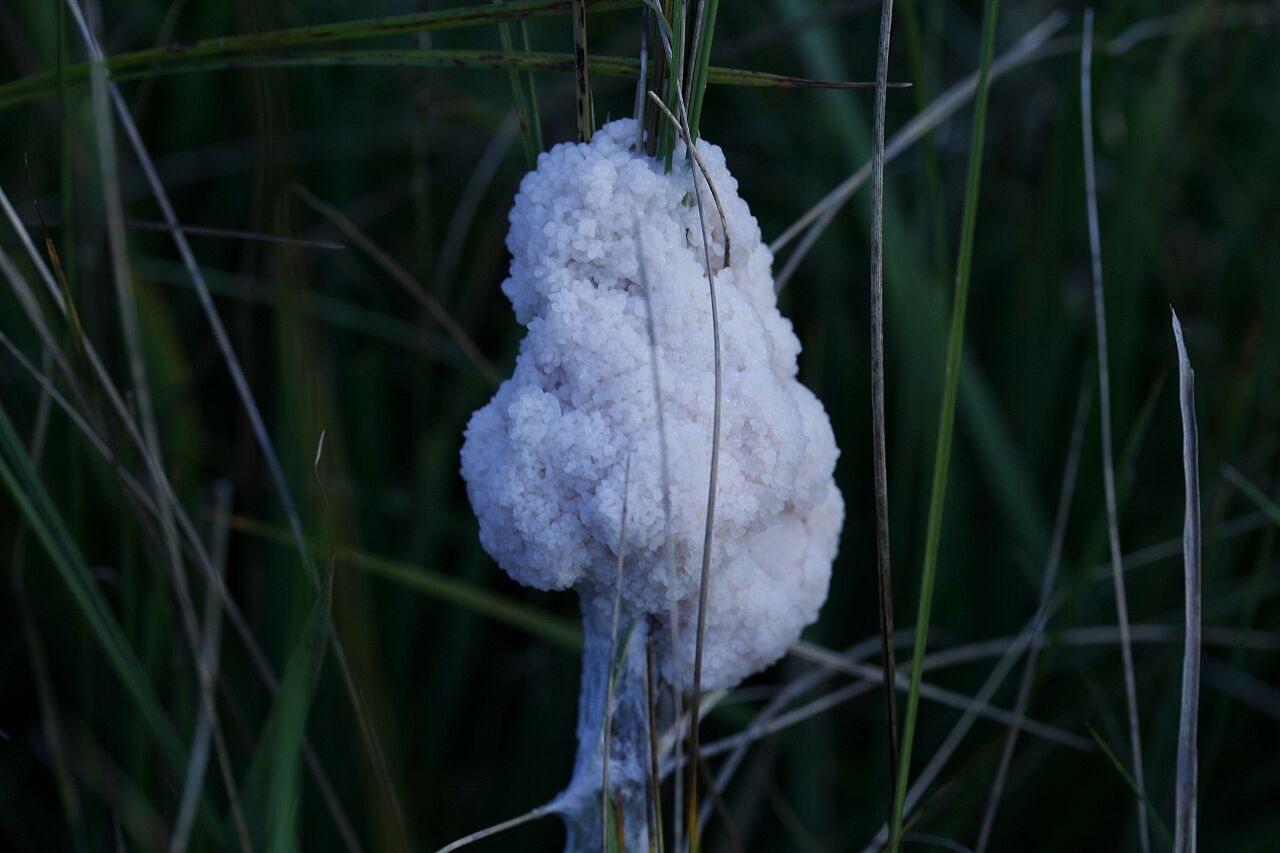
654, 788
942, 462
704, 582
318, 34
874, 675
1025, 50
535, 114
1040, 622
1088, 636
157, 189
211, 639
490, 831
66, 167
195, 545
642, 80
461, 220
528, 61
582, 81
606, 729
207, 725
1035, 45
773, 708
50, 719
1184, 827
734, 842
675, 81
693, 33
519, 99
96, 55
704, 579
703, 585
1123, 772
715, 194
668, 532
961, 729
884, 573
1108, 453
1269, 508
702, 61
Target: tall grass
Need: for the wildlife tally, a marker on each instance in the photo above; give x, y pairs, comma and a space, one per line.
179, 326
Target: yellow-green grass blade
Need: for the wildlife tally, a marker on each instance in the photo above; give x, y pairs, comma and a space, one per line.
272, 791
37, 508
317, 34
942, 461
554, 629
40, 85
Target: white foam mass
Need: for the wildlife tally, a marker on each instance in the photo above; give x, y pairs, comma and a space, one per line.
545, 459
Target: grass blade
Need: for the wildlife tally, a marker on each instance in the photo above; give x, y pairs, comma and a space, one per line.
273, 787
1041, 619
1161, 829
702, 61
37, 86
942, 461
818, 217
318, 34
31, 499
401, 277
1104, 394
1184, 826
520, 99
582, 83
516, 614
884, 573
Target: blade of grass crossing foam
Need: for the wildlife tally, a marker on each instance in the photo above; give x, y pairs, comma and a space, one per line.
942, 461
1184, 827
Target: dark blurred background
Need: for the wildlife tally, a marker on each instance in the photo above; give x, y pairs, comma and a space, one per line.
474, 708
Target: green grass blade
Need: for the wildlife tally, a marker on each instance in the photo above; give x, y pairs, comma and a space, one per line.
1133, 787
66, 174
554, 629
942, 461
535, 115
519, 97
272, 790
36, 86
1253, 493
317, 34
33, 501
667, 136
702, 65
